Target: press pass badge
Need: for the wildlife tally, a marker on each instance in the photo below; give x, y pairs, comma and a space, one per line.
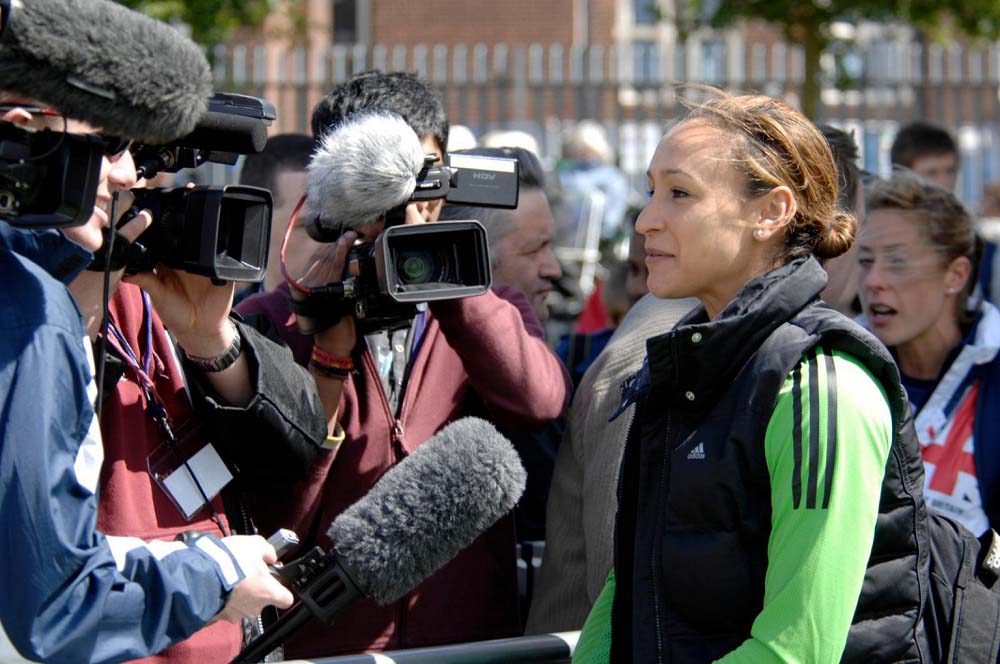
190, 476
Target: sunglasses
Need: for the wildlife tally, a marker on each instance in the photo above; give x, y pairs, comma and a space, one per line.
114, 146
111, 146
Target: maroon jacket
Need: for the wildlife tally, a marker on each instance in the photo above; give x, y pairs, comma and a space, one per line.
481, 356
130, 502
280, 429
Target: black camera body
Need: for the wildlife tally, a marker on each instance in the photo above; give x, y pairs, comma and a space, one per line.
48, 179
217, 232
411, 264
234, 125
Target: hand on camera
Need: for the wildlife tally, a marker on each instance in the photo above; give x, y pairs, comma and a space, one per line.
258, 589
329, 265
195, 310
139, 222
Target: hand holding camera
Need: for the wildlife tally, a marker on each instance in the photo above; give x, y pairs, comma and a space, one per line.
366, 174
329, 264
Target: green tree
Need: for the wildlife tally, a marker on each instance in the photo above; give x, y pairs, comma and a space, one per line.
807, 23
211, 21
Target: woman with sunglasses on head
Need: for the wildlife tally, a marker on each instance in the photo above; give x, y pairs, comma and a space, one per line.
917, 254
768, 456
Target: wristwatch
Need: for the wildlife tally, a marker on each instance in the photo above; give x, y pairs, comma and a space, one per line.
223, 361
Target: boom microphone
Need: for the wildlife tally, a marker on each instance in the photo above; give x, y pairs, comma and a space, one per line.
428, 508
415, 519
107, 65
362, 169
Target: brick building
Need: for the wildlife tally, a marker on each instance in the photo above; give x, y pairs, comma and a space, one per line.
540, 64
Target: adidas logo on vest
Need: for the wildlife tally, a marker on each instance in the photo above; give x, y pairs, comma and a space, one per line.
697, 453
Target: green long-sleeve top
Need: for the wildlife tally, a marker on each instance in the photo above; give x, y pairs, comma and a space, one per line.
822, 523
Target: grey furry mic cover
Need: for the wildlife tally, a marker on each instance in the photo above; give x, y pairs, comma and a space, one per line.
427, 508
362, 169
114, 68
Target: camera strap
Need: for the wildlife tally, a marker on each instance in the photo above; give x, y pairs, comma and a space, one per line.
140, 368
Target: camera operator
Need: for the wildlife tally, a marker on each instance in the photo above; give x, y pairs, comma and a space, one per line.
229, 394
68, 591
217, 402
480, 355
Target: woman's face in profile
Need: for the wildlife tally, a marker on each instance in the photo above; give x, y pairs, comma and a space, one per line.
905, 285
696, 225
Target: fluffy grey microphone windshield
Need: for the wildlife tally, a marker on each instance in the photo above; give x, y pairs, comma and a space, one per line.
361, 170
114, 68
429, 507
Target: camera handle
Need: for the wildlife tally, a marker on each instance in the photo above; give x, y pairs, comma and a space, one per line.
324, 306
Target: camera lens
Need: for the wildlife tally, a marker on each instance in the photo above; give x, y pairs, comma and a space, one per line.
417, 267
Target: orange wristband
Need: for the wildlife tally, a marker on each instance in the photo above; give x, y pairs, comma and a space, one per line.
328, 360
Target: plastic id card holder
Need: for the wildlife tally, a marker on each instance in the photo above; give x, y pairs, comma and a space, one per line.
189, 470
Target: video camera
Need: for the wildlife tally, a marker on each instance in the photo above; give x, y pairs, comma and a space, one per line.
48, 179
218, 232
411, 264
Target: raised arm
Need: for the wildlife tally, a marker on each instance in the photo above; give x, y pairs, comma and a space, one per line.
500, 341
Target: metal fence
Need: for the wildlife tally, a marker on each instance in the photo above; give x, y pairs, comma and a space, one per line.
632, 89
548, 648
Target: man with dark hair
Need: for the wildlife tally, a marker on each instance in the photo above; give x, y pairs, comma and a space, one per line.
403, 93
520, 239
281, 169
929, 151
845, 156
391, 390
843, 274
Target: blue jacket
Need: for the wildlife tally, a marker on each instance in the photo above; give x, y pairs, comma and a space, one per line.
67, 592
977, 360
986, 430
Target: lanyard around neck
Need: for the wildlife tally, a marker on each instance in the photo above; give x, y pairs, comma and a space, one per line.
121, 344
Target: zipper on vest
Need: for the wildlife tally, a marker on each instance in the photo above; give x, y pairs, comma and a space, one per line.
397, 438
657, 543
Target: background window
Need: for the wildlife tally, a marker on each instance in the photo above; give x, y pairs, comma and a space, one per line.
645, 12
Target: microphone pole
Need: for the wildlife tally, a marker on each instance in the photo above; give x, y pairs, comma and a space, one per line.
324, 587
289, 623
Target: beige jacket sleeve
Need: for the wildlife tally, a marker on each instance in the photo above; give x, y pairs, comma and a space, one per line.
580, 516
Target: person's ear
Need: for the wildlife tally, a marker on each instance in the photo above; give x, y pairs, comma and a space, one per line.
957, 274
17, 116
775, 210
